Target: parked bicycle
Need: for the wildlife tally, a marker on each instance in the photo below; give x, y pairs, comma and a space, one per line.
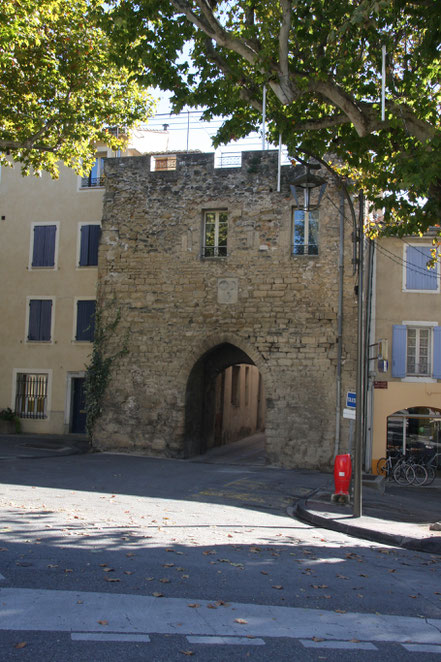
408, 469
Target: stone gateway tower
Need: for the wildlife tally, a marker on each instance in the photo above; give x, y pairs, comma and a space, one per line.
233, 301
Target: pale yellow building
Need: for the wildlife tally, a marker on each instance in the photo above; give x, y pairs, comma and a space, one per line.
50, 230
405, 365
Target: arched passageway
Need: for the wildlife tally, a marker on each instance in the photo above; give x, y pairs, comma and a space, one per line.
225, 400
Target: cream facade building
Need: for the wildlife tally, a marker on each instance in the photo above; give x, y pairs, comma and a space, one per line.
405, 363
50, 231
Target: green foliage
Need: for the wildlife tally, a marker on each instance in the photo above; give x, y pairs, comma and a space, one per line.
99, 368
321, 62
9, 415
60, 90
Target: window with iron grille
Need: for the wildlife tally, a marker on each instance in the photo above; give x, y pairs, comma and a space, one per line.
89, 241
215, 234
95, 178
43, 245
31, 395
40, 320
305, 232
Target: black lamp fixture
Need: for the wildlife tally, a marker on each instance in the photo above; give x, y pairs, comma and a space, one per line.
307, 181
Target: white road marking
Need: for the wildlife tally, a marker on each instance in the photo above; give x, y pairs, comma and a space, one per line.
67, 611
236, 641
421, 648
109, 636
2, 578
346, 645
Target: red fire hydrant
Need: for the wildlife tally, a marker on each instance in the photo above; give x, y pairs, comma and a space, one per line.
342, 474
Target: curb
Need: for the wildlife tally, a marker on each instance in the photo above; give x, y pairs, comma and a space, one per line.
428, 545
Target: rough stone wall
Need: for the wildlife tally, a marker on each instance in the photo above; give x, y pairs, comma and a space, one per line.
278, 308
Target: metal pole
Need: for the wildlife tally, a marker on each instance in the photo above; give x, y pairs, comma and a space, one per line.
279, 163
339, 326
188, 128
358, 458
264, 117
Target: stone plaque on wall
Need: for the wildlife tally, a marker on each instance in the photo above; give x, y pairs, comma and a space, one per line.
227, 290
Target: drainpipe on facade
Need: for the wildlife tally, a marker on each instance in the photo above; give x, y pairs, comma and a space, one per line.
340, 326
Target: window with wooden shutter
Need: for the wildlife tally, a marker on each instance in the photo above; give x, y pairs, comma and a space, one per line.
43, 251
90, 237
85, 320
40, 319
417, 276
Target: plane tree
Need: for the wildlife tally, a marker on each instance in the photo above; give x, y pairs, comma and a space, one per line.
61, 91
321, 64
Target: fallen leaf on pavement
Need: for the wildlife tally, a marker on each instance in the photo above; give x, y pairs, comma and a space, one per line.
158, 595
103, 622
340, 611
111, 579
317, 639
22, 644
164, 580
210, 606
187, 652
193, 605
278, 587
242, 621
108, 570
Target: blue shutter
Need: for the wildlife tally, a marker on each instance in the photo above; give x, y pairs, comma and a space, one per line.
94, 238
437, 352
45, 320
40, 313
84, 246
418, 277
399, 343
44, 246
90, 237
34, 319
85, 320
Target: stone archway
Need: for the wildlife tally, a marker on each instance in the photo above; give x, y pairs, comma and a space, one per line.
224, 399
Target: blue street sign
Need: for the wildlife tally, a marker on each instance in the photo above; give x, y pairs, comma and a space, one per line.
351, 400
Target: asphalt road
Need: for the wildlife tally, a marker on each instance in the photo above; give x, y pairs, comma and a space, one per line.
109, 557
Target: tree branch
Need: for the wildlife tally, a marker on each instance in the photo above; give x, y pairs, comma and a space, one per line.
6, 145
210, 25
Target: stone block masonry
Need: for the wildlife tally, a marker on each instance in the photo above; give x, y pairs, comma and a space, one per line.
188, 317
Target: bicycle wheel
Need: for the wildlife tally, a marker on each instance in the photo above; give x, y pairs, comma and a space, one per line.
399, 473
420, 474
382, 466
410, 474
431, 474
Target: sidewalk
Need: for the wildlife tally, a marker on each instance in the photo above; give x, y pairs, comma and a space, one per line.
34, 446
401, 516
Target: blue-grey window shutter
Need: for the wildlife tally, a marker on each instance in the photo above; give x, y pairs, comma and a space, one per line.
40, 313
44, 246
85, 320
34, 319
90, 237
418, 276
84, 245
94, 238
437, 352
399, 343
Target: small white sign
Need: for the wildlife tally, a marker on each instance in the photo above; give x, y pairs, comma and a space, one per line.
349, 413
